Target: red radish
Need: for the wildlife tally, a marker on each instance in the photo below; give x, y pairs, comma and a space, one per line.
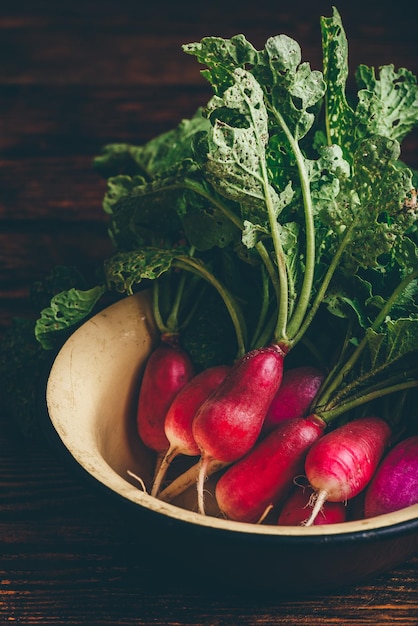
180, 415
295, 395
265, 475
167, 370
342, 463
395, 483
228, 424
294, 511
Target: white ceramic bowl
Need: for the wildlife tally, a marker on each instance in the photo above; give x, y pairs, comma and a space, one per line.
91, 397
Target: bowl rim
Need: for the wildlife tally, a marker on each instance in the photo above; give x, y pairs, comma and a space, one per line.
403, 521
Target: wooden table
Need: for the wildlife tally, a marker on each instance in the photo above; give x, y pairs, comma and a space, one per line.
74, 76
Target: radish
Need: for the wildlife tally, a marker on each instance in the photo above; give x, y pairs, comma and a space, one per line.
229, 422
265, 475
167, 370
180, 415
294, 510
342, 463
395, 484
295, 395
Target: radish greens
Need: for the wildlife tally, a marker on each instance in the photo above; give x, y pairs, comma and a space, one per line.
288, 201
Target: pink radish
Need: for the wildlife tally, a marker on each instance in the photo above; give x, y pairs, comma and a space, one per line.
395, 484
167, 370
180, 415
228, 424
295, 395
265, 475
342, 463
294, 511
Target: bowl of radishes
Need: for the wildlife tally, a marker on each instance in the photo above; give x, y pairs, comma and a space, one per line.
252, 393
248, 526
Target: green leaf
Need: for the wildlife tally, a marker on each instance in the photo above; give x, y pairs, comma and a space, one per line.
157, 155
237, 154
339, 117
67, 309
405, 250
293, 87
205, 225
372, 204
387, 105
385, 349
178, 202
118, 159
118, 188
124, 270
222, 57
145, 213
326, 175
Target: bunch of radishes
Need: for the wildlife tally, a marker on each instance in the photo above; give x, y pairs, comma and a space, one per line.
293, 206
275, 459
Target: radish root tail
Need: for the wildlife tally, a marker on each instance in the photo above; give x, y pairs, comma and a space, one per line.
264, 514
187, 479
139, 479
158, 460
162, 470
201, 478
320, 499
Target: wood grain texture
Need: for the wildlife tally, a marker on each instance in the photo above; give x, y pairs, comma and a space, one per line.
75, 75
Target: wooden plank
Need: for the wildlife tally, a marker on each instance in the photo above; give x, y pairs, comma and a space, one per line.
76, 119
46, 188
88, 49
28, 256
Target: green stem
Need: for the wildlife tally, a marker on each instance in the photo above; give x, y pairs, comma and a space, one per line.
324, 285
187, 263
266, 336
359, 383
156, 308
351, 361
306, 290
192, 307
173, 318
364, 398
271, 270
336, 362
280, 333
261, 322
237, 221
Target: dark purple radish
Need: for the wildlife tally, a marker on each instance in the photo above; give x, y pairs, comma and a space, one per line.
167, 371
228, 424
296, 509
180, 415
342, 463
264, 476
295, 395
395, 483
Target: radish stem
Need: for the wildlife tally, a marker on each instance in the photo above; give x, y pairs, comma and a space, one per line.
348, 365
187, 263
306, 290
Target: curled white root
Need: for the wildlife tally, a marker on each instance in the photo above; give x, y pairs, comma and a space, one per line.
139, 479
317, 500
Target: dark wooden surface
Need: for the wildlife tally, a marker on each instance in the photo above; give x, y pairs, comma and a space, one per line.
75, 75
